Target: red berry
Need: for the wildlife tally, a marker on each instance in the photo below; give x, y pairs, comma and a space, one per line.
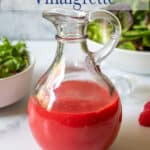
147, 106
144, 118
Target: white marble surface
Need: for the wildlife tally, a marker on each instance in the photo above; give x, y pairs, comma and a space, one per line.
15, 133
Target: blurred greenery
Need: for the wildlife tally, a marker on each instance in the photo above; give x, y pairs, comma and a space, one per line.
135, 28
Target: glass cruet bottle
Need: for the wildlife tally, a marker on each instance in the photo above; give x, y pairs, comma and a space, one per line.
74, 105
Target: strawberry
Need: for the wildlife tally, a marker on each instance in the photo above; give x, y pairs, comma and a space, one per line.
147, 106
144, 118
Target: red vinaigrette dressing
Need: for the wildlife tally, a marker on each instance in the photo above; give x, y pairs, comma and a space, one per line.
83, 117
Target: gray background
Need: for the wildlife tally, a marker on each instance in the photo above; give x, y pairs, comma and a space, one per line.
21, 19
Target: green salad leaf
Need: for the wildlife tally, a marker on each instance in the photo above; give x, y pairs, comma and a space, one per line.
13, 58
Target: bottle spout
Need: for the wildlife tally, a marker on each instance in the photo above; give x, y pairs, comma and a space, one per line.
50, 16
58, 14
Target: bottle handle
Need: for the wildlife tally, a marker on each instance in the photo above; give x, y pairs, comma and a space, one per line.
103, 52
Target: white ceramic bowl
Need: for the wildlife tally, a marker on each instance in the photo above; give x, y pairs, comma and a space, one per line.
131, 61
16, 87
127, 60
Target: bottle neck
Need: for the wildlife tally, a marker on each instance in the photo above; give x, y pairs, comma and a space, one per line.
73, 52
71, 31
